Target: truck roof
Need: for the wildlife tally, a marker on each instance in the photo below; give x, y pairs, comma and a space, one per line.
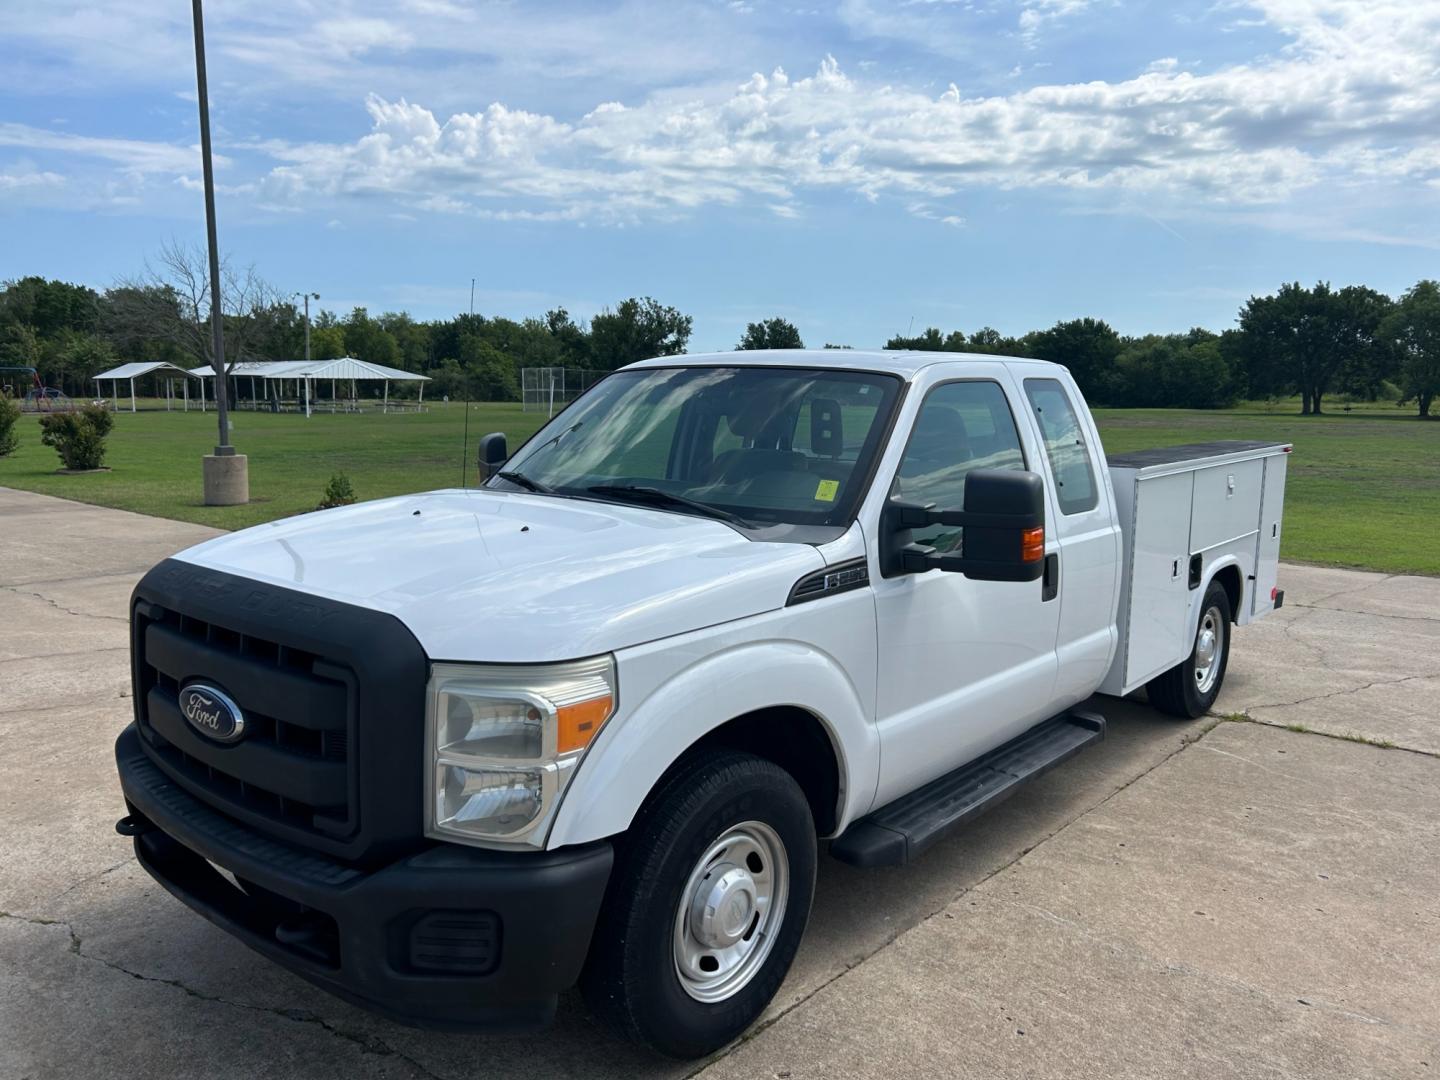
896, 361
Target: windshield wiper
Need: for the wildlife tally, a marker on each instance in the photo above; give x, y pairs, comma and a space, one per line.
521, 480
644, 494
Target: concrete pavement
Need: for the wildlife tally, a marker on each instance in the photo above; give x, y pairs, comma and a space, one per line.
1247, 900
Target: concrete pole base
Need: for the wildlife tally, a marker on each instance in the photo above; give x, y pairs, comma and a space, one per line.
227, 479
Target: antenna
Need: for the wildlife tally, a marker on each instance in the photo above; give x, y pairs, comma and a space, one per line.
909, 330
472, 296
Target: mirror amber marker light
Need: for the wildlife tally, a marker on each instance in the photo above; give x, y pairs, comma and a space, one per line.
1032, 545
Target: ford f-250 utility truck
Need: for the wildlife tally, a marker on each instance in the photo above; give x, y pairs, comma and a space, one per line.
449, 754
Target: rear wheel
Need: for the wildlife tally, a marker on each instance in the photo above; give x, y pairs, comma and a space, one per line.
1190, 688
706, 906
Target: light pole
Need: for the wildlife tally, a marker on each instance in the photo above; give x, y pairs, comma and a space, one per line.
226, 473
308, 297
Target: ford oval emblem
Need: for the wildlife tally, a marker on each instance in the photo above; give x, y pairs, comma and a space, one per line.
212, 712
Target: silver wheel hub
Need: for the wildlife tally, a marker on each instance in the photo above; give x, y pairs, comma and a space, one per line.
730, 910
1209, 644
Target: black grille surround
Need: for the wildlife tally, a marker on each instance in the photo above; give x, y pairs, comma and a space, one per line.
333, 696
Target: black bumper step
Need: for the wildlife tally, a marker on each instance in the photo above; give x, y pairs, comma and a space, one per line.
903, 829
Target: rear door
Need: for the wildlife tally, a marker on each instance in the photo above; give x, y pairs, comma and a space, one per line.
964, 665
1082, 535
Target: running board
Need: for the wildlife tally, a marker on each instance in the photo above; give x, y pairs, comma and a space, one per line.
901, 830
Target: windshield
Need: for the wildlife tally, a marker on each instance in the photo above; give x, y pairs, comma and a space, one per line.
766, 445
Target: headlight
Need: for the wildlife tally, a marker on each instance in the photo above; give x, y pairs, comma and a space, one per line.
503, 741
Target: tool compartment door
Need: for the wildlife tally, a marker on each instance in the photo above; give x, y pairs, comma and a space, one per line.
1226, 503
1267, 559
1157, 635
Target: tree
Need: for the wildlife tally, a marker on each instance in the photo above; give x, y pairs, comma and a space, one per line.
1412, 330
9, 414
1304, 340
50, 307
368, 340
637, 329
989, 340
77, 358
574, 342
171, 301
412, 339
776, 333
1366, 360
1088, 347
327, 342
1187, 371
490, 374
929, 340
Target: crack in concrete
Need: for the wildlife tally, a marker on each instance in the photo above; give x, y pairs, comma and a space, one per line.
1351, 589
1372, 614
1350, 737
18, 591
92, 877
367, 1044
1342, 693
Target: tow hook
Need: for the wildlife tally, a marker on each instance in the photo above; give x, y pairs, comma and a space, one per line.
134, 825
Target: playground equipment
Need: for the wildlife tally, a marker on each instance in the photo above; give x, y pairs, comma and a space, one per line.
36, 397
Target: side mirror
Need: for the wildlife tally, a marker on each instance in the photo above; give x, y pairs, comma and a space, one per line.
492, 454
1004, 523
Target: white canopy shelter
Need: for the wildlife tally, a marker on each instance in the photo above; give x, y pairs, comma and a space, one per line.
306, 372
130, 372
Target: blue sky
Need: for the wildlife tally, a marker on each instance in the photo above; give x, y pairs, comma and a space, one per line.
851, 165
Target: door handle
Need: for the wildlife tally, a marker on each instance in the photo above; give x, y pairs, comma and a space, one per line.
1050, 582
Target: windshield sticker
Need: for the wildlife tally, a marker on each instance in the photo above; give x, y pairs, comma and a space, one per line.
826, 491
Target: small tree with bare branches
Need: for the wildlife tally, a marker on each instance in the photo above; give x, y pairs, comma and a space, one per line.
171, 301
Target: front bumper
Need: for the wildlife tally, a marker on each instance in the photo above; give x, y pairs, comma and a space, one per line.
449, 937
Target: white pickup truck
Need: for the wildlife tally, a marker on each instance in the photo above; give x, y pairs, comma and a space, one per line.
449, 754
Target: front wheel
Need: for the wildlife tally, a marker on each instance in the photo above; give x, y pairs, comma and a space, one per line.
706, 906
1190, 688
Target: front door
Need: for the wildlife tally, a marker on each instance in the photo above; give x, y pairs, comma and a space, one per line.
964, 665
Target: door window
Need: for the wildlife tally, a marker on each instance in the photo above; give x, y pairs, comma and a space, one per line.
1075, 488
961, 426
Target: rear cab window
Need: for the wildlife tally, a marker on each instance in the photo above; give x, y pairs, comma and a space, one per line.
1064, 438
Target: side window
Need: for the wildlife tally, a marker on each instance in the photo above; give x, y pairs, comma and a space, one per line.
1075, 488
961, 426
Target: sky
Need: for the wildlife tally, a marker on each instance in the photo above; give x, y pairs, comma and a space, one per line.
859, 167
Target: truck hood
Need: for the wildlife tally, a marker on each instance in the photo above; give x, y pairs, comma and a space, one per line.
519, 578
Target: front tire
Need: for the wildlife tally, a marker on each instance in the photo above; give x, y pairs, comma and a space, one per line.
706, 906
1190, 688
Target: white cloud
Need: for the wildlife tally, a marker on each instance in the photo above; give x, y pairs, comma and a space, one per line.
134, 155
1351, 101
29, 178
1035, 14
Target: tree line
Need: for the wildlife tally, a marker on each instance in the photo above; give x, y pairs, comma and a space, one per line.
1312, 342
1308, 343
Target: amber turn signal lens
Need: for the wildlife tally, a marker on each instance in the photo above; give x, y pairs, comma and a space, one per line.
1032, 545
579, 723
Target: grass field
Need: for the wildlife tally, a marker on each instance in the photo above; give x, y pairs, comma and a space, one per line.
1364, 488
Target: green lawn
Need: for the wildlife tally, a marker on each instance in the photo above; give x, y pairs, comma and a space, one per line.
1364, 488
155, 458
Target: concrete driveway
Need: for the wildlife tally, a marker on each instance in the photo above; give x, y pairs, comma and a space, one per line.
1207, 899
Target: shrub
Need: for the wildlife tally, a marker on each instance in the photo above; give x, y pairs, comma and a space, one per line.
9, 438
338, 492
78, 437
